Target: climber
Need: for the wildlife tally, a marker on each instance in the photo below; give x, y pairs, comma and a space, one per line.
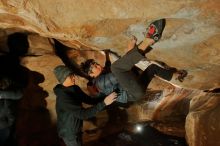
121, 79
70, 113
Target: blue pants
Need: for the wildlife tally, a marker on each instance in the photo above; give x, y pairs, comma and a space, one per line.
4, 136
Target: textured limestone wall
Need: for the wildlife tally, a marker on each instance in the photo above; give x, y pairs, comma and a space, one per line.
202, 122
190, 41
192, 31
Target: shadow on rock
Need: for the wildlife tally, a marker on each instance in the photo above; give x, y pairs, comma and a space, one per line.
34, 125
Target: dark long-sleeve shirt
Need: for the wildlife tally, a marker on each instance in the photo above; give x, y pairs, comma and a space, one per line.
70, 113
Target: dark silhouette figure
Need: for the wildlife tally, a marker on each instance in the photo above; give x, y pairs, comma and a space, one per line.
33, 122
34, 126
12, 82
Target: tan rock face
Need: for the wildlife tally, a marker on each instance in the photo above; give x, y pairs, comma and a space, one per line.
190, 41
192, 30
202, 126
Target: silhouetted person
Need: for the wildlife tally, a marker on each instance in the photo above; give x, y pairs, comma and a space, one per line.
12, 81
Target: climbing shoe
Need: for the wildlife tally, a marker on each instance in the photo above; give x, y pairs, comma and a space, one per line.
155, 29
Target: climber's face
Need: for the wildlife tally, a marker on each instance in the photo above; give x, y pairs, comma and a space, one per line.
70, 80
95, 70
